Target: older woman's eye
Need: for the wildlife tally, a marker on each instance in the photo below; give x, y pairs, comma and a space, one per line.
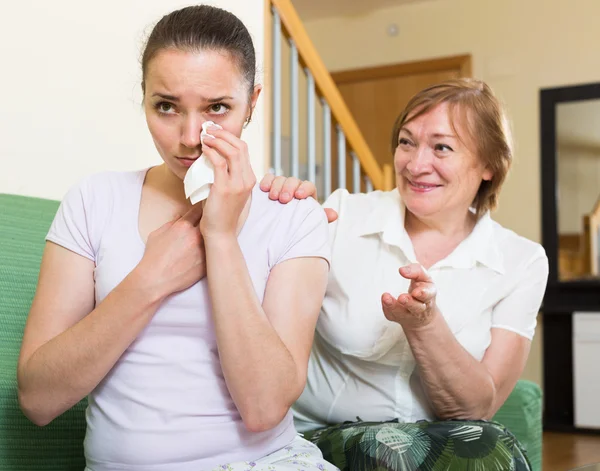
404, 142
443, 148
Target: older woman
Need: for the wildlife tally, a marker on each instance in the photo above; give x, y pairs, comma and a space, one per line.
448, 336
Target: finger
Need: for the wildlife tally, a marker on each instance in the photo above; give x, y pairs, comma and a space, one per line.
266, 182
228, 152
219, 164
276, 187
415, 272
412, 305
331, 214
290, 187
166, 225
393, 309
193, 215
224, 135
238, 160
424, 293
306, 189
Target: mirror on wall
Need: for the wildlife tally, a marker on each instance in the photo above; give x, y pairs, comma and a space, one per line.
570, 130
578, 175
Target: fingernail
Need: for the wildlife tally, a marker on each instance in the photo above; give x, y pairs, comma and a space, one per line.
404, 300
300, 193
387, 301
285, 195
418, 293
407, 270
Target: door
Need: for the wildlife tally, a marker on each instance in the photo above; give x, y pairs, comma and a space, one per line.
376, 96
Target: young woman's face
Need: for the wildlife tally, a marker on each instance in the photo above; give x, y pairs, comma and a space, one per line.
185, 89
437, 171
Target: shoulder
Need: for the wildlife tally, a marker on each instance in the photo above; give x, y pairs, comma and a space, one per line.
355, 203
107, 182
276, 212
296, 229
355, 207
519, 253
359, 212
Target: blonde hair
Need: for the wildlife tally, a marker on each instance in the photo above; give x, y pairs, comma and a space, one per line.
484, 118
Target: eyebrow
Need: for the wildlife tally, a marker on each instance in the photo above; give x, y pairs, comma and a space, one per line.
209, 100
437, 134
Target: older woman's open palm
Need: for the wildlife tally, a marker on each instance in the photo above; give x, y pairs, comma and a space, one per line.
417, 307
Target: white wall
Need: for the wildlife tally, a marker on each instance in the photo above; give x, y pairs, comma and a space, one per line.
71, 99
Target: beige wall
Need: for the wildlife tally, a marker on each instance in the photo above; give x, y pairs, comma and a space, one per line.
517, 46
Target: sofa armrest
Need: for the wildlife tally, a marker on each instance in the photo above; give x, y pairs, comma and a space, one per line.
522, 415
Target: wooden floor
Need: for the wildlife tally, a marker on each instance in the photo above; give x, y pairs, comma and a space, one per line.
564, 452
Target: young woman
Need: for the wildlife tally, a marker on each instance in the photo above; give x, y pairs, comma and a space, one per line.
188, 327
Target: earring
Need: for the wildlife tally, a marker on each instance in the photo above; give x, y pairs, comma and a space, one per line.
248, 119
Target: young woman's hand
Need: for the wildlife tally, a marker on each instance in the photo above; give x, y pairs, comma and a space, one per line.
234, 180
174, 258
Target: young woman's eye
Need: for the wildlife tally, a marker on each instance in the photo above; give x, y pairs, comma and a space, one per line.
164, 107
219, 108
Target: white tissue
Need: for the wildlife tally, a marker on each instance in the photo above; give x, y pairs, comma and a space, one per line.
201, 175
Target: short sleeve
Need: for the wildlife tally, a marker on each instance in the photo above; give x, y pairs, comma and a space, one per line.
518, 311
71, 227
334, 201
302, 232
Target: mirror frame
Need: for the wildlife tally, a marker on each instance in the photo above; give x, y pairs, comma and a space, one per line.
571, 295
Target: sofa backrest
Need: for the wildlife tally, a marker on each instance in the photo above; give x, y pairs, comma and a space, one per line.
24, 222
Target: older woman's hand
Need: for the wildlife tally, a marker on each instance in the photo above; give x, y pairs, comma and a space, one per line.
416, 308
283, 189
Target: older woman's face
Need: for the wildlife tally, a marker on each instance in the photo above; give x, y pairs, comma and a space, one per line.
185, 89
437, 173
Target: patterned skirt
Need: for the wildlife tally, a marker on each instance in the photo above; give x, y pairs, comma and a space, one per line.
423, 446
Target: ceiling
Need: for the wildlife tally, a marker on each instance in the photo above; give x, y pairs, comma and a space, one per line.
316, 9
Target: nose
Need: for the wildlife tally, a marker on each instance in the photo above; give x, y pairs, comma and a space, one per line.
190, 131
420, 161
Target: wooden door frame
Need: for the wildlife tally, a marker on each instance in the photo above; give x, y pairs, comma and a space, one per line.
460, 62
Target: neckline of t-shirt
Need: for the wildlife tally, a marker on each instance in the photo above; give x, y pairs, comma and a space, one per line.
142, 178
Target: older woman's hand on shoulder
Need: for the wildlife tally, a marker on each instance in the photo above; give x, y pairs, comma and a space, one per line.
283, 189
417, 308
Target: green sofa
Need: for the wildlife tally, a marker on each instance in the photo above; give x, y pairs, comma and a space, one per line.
24, 222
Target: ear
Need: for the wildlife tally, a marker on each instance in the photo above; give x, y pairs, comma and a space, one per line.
254, 97
487, 174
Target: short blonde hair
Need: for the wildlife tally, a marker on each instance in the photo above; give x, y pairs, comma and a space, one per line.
484, 118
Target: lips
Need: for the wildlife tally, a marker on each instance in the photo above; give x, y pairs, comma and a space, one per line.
187, 161
422, 186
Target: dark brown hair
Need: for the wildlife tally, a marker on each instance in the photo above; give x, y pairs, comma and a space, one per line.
202, 27
482, 115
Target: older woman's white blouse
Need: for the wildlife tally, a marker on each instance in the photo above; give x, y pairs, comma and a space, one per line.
361, 366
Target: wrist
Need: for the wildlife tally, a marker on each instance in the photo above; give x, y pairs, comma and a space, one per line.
217, 240
141, 283
423, 325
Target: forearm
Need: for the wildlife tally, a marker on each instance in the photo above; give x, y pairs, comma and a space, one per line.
68, 367
260, 372
457, 385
